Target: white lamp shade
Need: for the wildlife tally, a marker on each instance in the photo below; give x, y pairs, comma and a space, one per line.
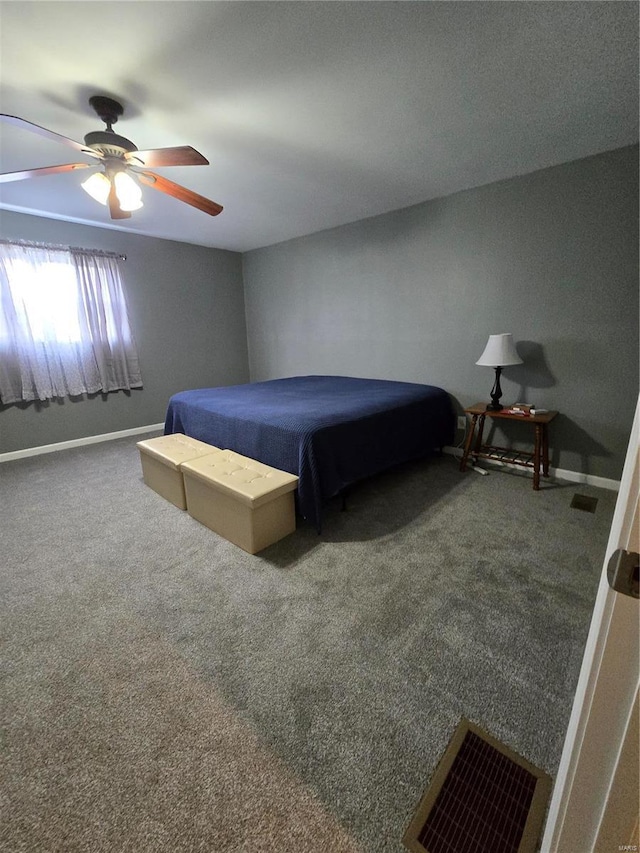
128, 192
98, 187
499, 352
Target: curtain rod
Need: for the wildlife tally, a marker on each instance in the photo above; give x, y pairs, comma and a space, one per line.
52, 246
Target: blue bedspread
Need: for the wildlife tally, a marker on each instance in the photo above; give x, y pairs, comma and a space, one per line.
329, 430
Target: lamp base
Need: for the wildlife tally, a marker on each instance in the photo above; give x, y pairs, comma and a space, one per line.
496, 393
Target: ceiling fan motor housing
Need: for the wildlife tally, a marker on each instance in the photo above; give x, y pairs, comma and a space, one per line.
109, 143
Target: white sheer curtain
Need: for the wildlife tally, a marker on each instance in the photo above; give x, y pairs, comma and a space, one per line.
64, 328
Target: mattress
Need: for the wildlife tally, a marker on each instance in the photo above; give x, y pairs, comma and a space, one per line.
331, 431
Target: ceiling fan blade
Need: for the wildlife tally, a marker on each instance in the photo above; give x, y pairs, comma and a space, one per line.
49, 134
115, 211
181, 193
7, 177
182, 155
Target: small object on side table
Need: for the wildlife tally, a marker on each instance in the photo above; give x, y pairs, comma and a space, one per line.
538, 460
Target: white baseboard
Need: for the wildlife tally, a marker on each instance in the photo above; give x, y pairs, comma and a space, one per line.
78, 442
559, 473
554, 473
588, 479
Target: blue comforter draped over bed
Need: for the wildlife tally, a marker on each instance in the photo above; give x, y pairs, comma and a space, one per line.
329, 430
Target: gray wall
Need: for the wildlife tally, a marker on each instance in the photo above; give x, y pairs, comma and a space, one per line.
186, 309
413, 295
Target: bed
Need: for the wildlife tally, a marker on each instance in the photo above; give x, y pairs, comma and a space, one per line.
331, 431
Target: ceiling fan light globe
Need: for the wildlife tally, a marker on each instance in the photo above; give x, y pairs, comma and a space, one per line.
97, 186
128, 192
128, 206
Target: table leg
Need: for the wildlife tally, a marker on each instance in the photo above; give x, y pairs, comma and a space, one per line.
480, 434
545, 450
536, 457
467, 444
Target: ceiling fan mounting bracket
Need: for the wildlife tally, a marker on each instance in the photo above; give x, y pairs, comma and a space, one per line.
107, 109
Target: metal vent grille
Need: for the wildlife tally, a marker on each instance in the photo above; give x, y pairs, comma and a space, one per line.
483, 799
584, 502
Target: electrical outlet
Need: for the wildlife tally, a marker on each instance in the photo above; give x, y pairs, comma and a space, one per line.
462, 422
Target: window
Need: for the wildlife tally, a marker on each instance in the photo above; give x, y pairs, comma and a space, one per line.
64, 328
47, 300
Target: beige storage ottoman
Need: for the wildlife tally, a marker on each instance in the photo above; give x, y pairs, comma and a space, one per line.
161, 457
248, 503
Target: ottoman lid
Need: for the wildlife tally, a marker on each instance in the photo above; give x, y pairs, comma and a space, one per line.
247, 480
176, 448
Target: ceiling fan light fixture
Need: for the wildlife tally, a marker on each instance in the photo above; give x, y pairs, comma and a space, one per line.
97, 186
128, 192
113, 186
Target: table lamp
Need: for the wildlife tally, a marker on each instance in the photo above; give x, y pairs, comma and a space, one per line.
499, 352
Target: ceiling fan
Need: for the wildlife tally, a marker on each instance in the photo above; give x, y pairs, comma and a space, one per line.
119, 159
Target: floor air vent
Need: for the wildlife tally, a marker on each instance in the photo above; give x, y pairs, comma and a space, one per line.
483, 798
584, 502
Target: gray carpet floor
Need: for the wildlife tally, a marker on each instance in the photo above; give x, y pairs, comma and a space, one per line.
162, 690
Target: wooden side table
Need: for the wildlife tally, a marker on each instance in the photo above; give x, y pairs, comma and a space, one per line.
538, 460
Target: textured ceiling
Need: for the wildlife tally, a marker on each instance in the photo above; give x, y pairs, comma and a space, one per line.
313, 114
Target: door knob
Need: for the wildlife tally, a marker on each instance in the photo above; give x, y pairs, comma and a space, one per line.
623, 572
